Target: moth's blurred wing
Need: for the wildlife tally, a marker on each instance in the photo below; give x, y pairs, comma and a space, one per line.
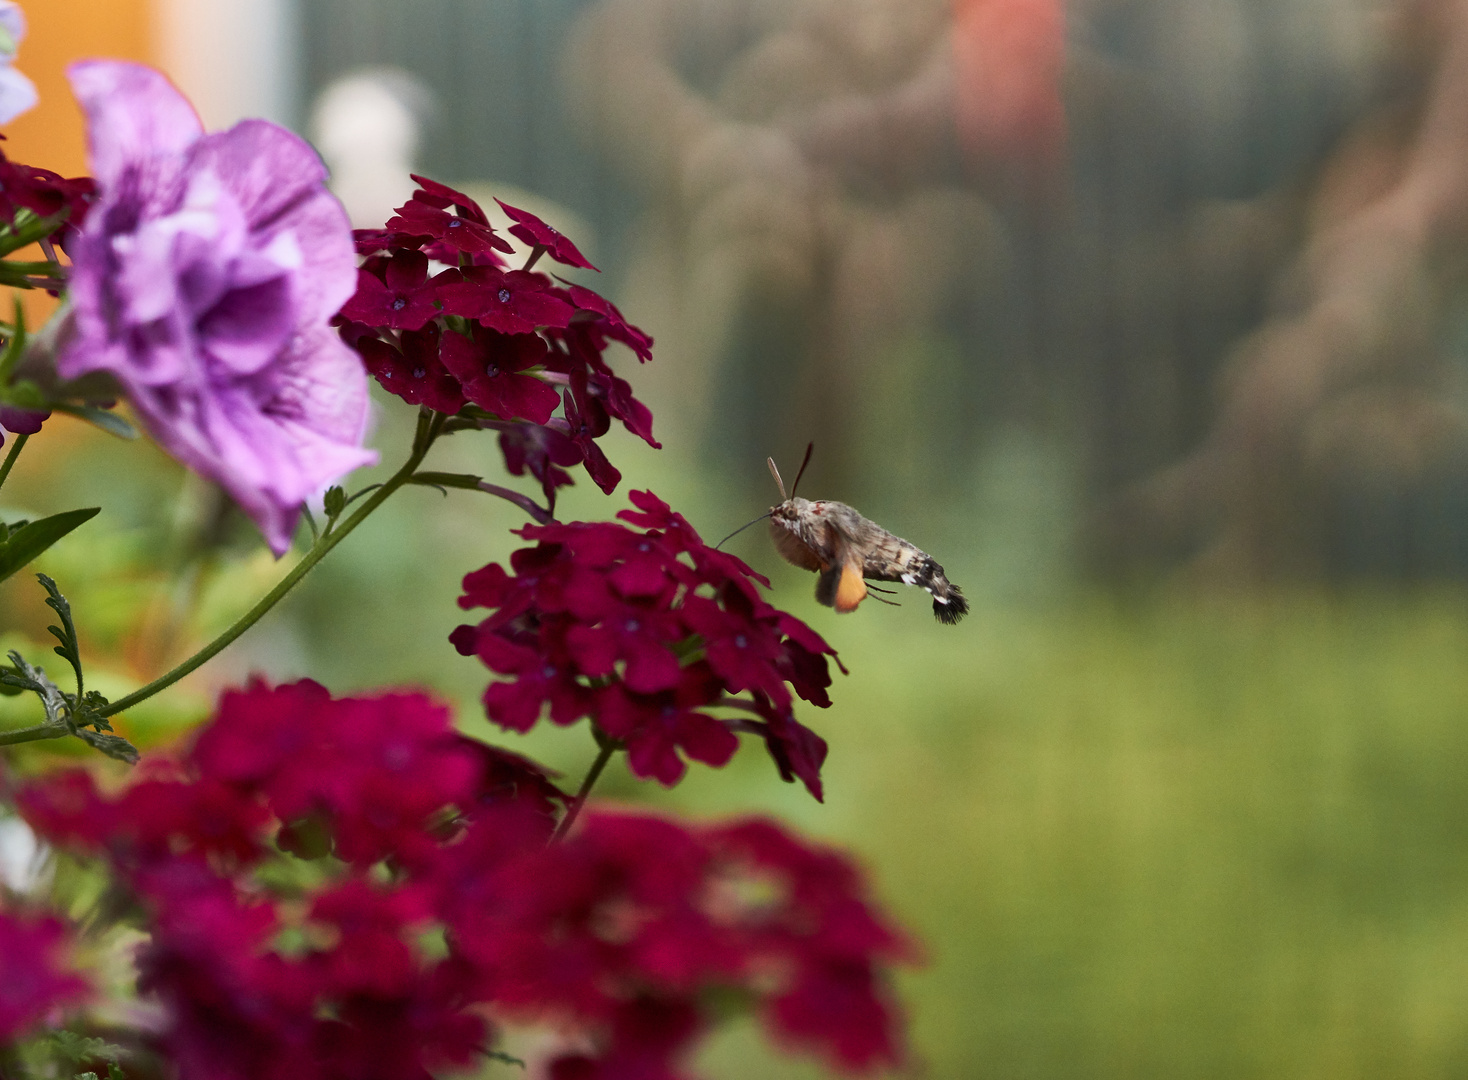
793, 549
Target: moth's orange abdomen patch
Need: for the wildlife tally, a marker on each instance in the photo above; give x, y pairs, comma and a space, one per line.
852, 590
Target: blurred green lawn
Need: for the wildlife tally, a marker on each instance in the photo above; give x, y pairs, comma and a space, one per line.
1162, 835
1164, 838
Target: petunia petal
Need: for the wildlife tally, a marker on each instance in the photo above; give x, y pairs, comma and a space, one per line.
132, 112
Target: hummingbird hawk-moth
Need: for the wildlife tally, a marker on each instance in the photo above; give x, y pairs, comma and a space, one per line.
848, 550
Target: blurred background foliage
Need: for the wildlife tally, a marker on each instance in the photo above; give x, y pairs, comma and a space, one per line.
1170, 380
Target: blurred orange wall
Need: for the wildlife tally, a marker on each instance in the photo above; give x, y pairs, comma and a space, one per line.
60, 31
51, 134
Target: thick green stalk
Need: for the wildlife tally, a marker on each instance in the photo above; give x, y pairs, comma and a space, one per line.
32, 734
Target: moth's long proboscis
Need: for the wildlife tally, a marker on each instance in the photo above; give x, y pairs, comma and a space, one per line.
747, 524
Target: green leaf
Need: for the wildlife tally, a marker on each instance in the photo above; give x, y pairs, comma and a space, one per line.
443, 479
25, 543
30, 227
106, 419
24, 394
114, 746
76, 1049
15, 346
27, 677
62, 711
69, 650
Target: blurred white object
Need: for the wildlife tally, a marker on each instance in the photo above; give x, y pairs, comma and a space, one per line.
366, 126
17, 93
233, 59
22, 857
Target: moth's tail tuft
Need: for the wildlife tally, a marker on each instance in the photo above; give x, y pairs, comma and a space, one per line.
948, 603
950, 608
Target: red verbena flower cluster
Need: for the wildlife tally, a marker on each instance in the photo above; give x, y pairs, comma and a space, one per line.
645, 630
44, 193
506, 346
33, 979
350, 889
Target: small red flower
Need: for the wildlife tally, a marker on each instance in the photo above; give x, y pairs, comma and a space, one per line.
488, 367
513, 302
543, 452
426, 215
414, 371
531, 230
395, 292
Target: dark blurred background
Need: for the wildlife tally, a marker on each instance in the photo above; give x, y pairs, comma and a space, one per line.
1192, 265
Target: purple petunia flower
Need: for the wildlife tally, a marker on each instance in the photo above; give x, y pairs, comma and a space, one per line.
17, 93
203, 281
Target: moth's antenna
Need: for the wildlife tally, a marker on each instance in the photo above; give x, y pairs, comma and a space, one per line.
778, 483
806, 461
741, 528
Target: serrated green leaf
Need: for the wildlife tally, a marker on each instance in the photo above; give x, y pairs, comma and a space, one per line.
89, 712
69, 649
105, 419
29, 677
114, 746
25, 543
78, 1048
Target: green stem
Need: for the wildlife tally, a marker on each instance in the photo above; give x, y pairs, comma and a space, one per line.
20, 441
31, 734
428, 428
608, 748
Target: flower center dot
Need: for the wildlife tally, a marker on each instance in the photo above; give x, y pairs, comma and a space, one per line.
399, 303
418, 373
740, 641
504, 296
